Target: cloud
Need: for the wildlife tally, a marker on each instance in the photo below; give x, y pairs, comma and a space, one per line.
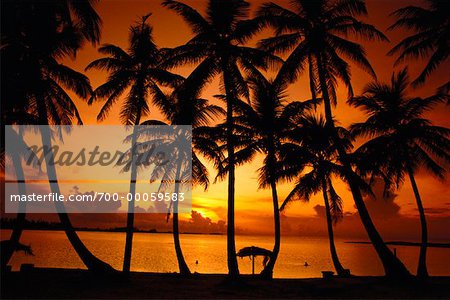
199, 223
381, 205
320, 211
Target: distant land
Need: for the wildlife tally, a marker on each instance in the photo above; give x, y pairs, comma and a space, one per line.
6, 223
401, 243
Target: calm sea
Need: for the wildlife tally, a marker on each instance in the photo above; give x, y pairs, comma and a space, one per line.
155, 253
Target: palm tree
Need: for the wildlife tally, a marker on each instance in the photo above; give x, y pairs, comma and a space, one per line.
36, 37
432, 30
402, 139
217, 48
54, 106
316, 33
262, 126
137, 69
313, 143
179, 109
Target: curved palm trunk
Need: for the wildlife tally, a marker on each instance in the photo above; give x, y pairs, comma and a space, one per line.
233, 269
422, 267
337, 264
393, 267
89, 260
268, 270
7, 252
184, 269
130, 215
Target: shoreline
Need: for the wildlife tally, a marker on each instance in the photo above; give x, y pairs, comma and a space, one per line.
403, 243
76, 283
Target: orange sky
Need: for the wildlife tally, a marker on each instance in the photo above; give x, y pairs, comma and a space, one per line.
253, 206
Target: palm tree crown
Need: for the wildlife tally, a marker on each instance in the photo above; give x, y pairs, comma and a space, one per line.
431, 38
315, 33
313, 143
400, 135
217, 45
265, 123
137, 69
197, 112
34, 39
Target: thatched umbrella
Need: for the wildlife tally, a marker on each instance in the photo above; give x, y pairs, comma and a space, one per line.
253, 251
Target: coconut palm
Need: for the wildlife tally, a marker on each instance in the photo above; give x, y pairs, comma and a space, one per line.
262, 126
138, 70
313, 143
401, 139
54, 106
35, 38
316, 34
182, 110
431, 26
217, 48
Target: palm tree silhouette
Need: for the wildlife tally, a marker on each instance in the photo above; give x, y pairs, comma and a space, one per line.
138, 70
432, 30
402, 139
35, 37
316, 33
179, 109
313, 148
262, 126
217, 48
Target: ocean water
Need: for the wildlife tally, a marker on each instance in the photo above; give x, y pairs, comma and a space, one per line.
207, 253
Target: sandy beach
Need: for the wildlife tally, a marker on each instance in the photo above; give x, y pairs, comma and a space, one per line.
70, 284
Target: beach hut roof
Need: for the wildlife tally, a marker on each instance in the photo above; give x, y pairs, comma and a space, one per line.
253, 250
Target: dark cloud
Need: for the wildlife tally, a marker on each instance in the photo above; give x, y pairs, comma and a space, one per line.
380, 205
320, 211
